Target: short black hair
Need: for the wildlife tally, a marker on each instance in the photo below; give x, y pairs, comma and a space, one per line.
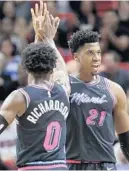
79, 38
39, 58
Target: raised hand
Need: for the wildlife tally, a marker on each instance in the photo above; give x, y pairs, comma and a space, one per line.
50, 26
38, 16
45, 25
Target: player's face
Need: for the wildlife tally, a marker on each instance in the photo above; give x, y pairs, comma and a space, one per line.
89, 58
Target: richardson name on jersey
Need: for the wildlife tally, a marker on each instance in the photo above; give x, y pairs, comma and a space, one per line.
47, 106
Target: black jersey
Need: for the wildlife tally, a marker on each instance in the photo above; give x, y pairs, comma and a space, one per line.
90, 128
42, 128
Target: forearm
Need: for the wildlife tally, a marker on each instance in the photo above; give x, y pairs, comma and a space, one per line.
60, 74
61, 62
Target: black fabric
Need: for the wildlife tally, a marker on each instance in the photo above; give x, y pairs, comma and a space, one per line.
124, 142
90, 141
3, 124
92, 166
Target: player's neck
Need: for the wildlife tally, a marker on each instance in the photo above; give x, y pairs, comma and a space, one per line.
41, 80
87, 77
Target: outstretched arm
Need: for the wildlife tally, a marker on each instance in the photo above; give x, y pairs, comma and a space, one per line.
45, 27
60, 73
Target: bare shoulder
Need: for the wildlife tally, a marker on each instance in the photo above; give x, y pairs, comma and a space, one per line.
14, 101
121, 117
15, 97
118, 91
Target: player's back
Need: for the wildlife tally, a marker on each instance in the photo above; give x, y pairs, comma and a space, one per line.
91, 135
42, 128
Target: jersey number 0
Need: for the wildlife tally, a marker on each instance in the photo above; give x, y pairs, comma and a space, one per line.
52, 138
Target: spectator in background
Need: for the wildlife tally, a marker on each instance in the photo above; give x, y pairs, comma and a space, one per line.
66, 28
87, 17
23, 9
7, 27
12, 61
114, 37
75, 6
63, 6
20, 32
51, 5
111, 61
9, 9
123, 13
8, 31
10, 71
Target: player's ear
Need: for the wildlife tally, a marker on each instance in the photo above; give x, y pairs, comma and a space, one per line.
76, 57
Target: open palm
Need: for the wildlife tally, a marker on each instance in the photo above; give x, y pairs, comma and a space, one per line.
45, 25
38, 16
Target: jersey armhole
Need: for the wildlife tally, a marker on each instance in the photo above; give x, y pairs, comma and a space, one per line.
110, 92
65, 90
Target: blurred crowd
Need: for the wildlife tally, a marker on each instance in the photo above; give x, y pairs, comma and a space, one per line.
109, 18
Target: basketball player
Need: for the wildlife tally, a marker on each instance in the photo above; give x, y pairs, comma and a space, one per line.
41, 109
97, 105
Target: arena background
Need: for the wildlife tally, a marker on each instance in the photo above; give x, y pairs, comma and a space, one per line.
109, 18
